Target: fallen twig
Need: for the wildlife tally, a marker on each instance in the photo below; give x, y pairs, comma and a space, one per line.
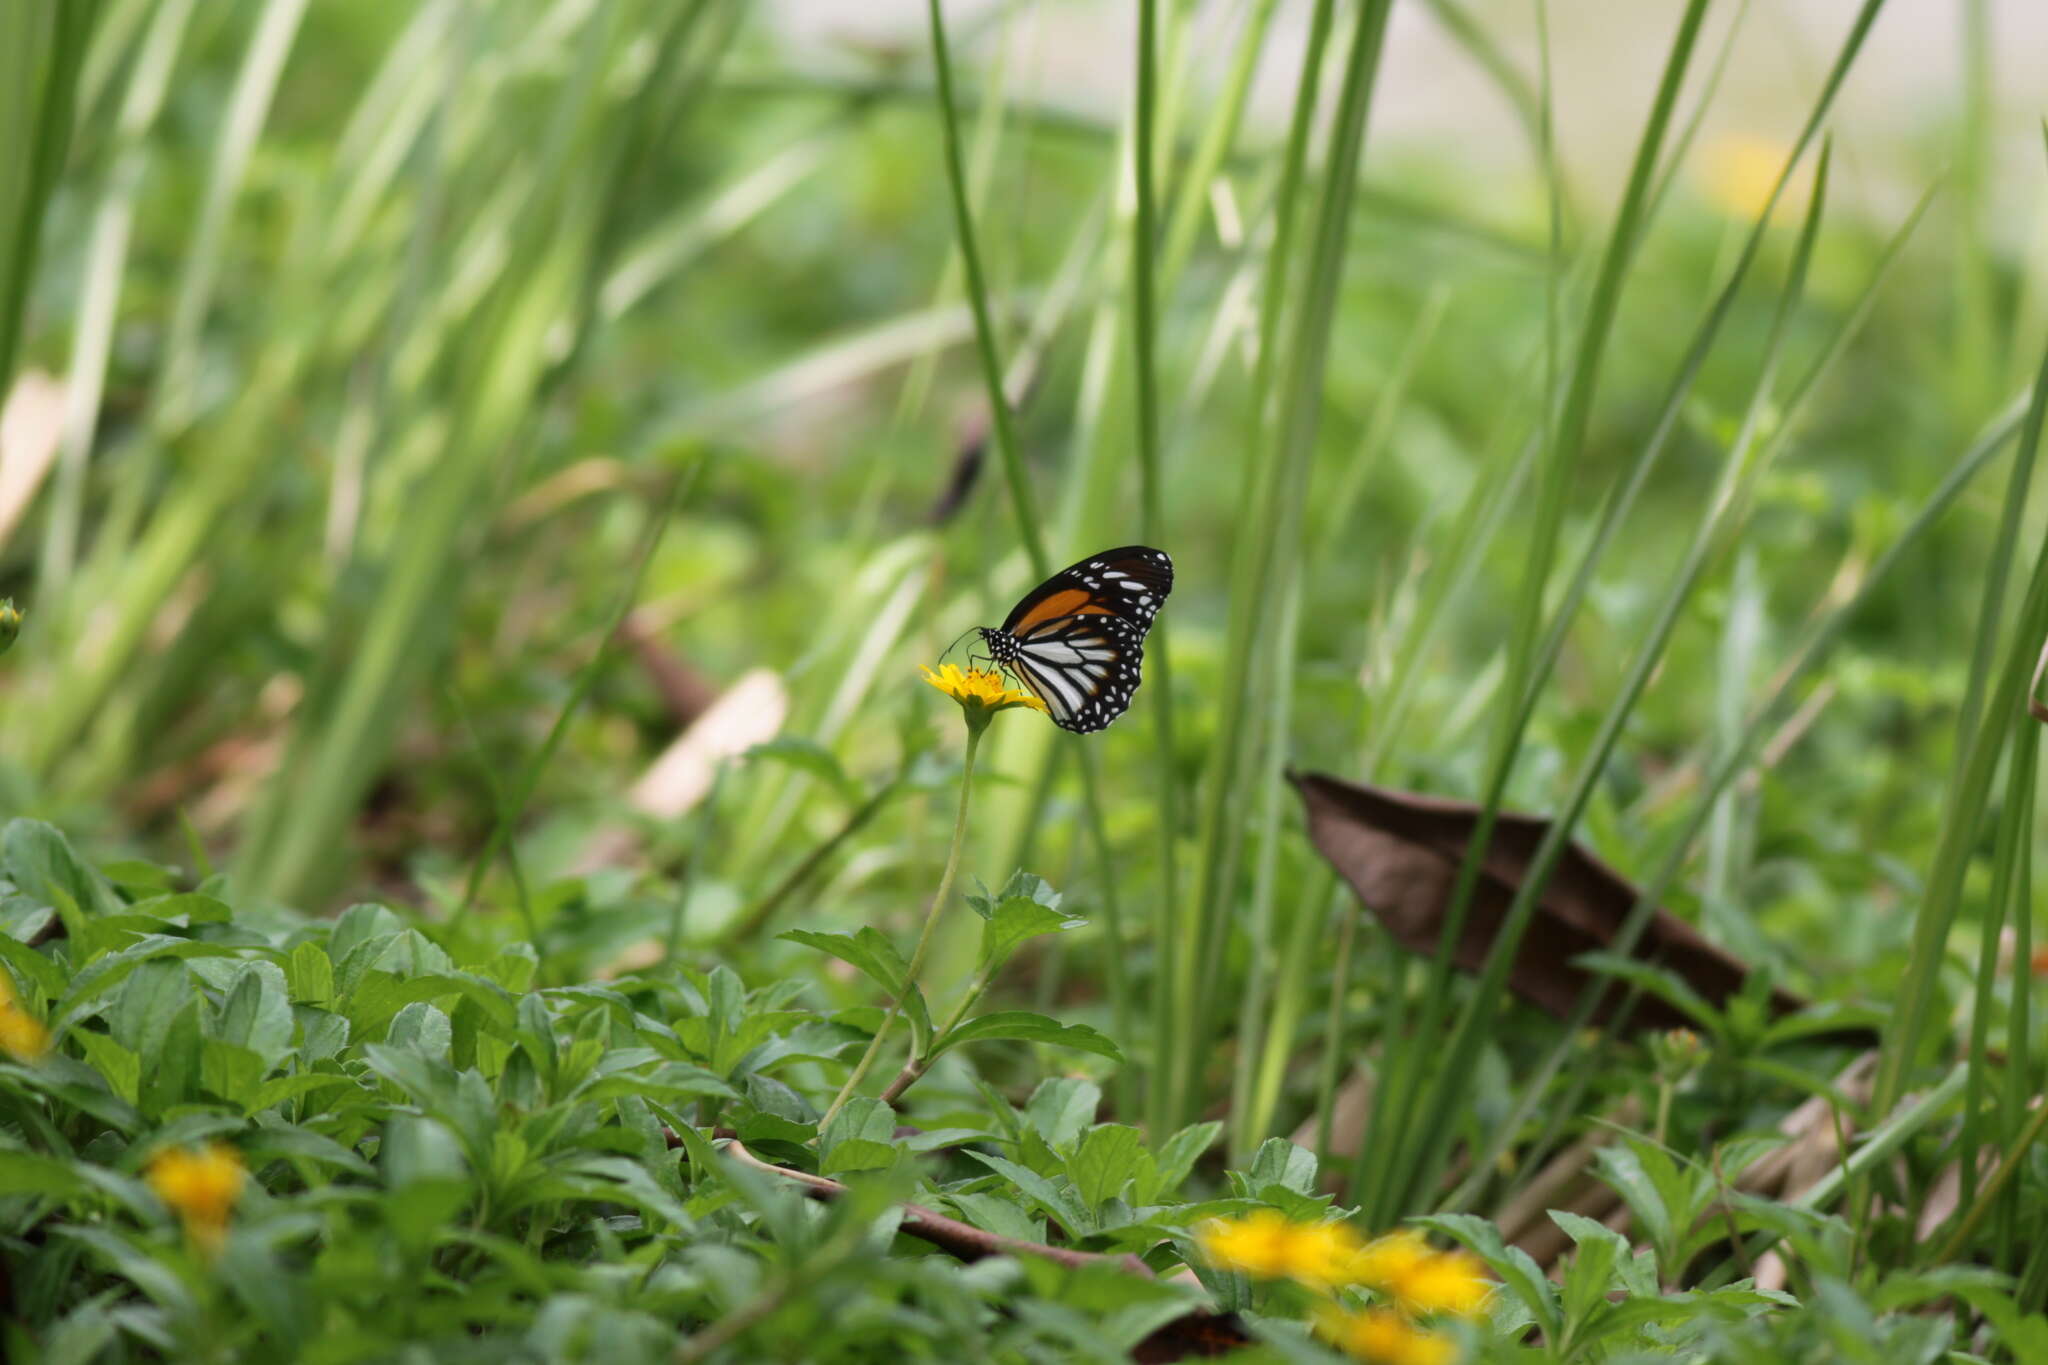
1199, 1332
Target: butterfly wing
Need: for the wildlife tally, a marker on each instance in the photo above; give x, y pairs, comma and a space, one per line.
1079, 637
1130, 582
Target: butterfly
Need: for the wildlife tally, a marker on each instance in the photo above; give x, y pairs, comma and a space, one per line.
1077, 639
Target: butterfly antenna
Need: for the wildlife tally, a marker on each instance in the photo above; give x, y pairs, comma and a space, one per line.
956, 643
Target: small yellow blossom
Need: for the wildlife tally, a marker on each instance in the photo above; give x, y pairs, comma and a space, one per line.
981, 692
22, 1035
1737, 172
1385, 1337
1421, 1281
1273, 1247
201, 1187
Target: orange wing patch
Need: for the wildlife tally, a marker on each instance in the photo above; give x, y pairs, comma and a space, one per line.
1056, 606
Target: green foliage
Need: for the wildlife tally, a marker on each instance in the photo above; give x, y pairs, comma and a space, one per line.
455, 397
443, 1152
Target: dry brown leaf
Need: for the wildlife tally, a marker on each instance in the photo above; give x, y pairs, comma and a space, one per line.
1400, 852
749, 712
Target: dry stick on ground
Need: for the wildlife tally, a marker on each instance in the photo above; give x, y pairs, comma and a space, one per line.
1198, 1332
961, 1240
686, 692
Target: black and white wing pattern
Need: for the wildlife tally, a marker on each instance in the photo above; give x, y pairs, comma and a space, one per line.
1077, 640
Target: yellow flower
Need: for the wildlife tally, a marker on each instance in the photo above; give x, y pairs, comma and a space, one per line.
201, 1187
22, 1035
1737, 172
1402, 1266
10, 623
1385, 1337
981, 692
1270, 1246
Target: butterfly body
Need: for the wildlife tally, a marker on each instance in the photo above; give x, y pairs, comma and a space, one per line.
1077, 640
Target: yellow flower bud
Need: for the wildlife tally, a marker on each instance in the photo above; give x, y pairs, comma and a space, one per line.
201, 1187
22, 1035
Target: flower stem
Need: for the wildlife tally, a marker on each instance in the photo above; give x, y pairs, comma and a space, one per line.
917, 1063
924, 939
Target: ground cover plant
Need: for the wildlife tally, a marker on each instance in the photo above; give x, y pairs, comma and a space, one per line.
497, 857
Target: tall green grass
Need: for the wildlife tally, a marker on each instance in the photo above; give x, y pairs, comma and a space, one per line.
42, 52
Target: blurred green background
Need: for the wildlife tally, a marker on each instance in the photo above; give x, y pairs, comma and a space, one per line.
370, 349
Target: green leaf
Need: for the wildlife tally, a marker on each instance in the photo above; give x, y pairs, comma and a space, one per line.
1736, 1155
232, 1072
771, 1096
1022, 886
862, 1137
33, 968
309, 974
282, 1088
1180, 1153
512, 968
1628, 1314
379, 995
702, 1158
39, 860
866, 950
461, 1099
992, 1213
1061, 1109
188, 907
359, 924
1027, 1027
1592, 1272
1281, 1163
121, 1067
669, 1083
862, 1117
78, 1085
322, 1033
103, 975
418, 1149
877, 959
171, 1070
135, 874
142, 1014
1054, 1199
257, 1013
423, 1028
1015, 919
1652, 1186
858, 1154
536, 1034
1105, 1162
627, 1182
28, 1173
263, 1142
